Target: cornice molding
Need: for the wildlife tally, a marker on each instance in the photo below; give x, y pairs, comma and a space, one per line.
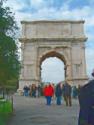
51, 21
67, 39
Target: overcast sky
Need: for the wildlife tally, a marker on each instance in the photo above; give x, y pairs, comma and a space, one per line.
52, 70
59, 10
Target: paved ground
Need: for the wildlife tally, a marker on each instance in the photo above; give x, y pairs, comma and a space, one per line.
33, 111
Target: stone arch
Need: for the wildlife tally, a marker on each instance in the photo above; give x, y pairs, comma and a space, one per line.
53, 54
63, 39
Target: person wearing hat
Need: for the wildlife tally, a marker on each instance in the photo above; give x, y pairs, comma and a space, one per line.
86, 101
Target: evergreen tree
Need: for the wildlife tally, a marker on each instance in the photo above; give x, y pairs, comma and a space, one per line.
9, 59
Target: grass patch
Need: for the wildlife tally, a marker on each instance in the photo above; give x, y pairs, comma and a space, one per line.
1, 97
5, 111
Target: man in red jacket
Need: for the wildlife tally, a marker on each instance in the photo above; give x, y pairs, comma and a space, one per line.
48, 93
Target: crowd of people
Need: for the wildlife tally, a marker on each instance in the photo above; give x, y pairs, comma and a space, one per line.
32, 90
85, 95
60, 92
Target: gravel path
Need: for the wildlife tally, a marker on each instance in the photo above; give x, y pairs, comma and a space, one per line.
33, 111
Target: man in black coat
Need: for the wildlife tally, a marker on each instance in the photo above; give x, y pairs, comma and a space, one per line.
86, 101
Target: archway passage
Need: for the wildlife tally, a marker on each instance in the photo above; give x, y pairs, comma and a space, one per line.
52, 67
52, 70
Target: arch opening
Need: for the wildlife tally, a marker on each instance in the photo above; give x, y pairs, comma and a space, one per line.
52, 68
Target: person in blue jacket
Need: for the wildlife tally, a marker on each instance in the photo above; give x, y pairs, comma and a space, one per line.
86, 101
58, 93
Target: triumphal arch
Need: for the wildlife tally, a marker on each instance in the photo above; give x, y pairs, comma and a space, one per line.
62, 39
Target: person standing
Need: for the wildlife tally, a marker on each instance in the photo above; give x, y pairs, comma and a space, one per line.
58, 93
48, 93
26, 90
39, 90
33, 89
67, 94
74, 92
86, 102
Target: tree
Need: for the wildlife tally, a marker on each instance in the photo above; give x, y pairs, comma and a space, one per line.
9, 59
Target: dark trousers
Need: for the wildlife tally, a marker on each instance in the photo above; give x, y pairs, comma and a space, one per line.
33, 93
48, 100
26, 93
58, 101
67, 99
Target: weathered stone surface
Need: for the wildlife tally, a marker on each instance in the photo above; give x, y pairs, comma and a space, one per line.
63, 39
